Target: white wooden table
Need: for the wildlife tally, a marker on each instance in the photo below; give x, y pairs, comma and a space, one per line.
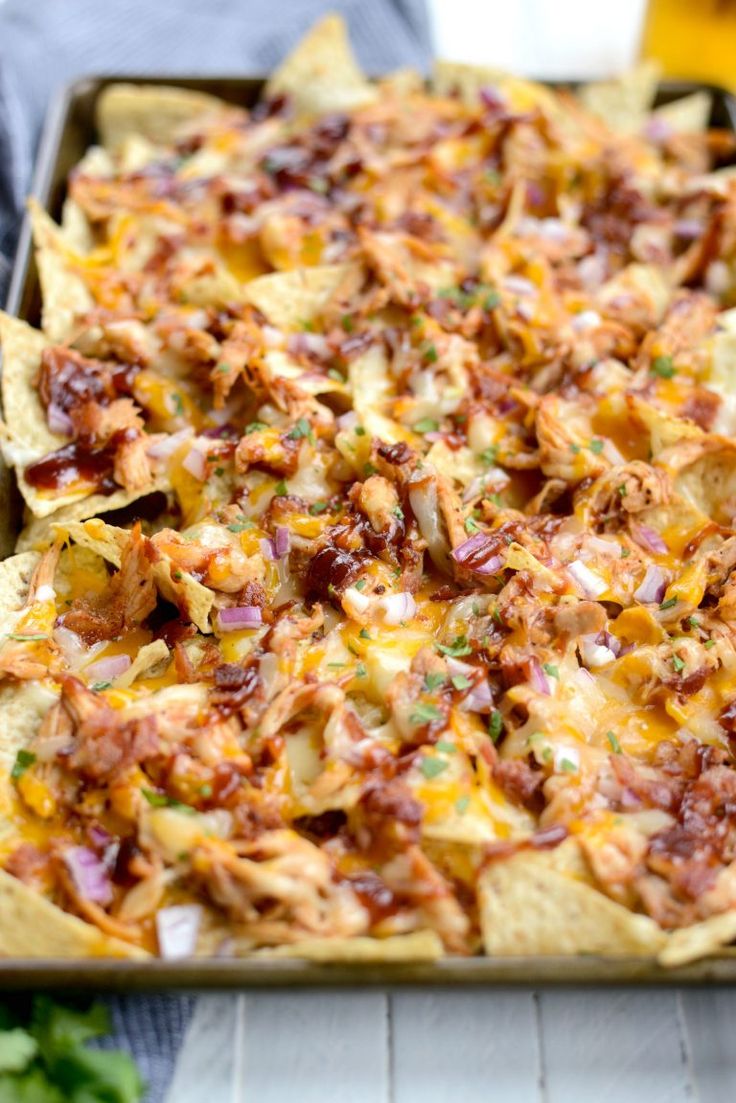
475, 1046
479, 1046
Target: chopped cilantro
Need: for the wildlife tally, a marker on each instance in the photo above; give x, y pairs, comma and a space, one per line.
255, 427
359, 431
23, 760
445, 746
25, 636
489, 455
317, 508
491, 300
369, 469
99, 686
425, 713
552, 670
336, 666
364, 634
663, 367
177, 404
670, 603
625, 553
461, 682
568, 766
398, 513
495, 725
177, 575
431, 767
574, 448
622, 490
678, 663
470, 525
433, 681
693, 622
205, 791
708, 644
596, 446
347, 323
426, 425
360, 670
430, 354
336, 375
497, 615
300, 430
222, 367
462, 804
456, 649
163, 800
280, 489
615, 745
360, 584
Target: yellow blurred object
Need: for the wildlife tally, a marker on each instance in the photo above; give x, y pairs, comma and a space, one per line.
693, 39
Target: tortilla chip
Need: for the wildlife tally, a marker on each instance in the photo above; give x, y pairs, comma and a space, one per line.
529, 907
289, 299
689, 115
183, 591
664, 429
417, 946
705, 475
466, 81
23, 706
624, 104
15, 578
149, 656
155, 112
33, 927
700, 940
321, 73
65, 295
39, 532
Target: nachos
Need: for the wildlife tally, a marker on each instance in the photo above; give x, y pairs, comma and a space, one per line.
375, 595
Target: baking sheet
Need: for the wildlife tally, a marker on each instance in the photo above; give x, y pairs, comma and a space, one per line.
68, 132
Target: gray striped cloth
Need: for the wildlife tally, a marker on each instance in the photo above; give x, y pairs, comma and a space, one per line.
44, 44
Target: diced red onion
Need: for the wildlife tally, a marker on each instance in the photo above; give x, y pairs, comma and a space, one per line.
653, 587
106, 670
537, 676
648, 539
348, 420
607, 639
519, 285
309, 344
59, 420
479, 698
267, 549
592, 271
471, 550
525, 310
492, 98
586, 319
281, 541
89, 874
595, 654
239, 617
164, 448
690, 228
657, 129
589, 582
70, 645
195, 463
433, 436
177, 928
398, 607
456, 667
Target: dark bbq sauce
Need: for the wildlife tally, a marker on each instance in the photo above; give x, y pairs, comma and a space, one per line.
69, 379
78, 463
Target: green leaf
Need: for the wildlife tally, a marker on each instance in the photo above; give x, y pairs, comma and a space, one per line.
663, 367
23, 760
445, 746
425, 713
426, 425
552, 670
430, 354
98, 1076
433, 681
163, 800
25, 636
280, 489
461, 682
678, 663
456, 649
300, 430
55, 1026
596, 446
668, 604
495, 725
17, 1050
32, 1087
462, 804
615, 745
431, 767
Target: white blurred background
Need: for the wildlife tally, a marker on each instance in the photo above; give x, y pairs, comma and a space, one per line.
558, 39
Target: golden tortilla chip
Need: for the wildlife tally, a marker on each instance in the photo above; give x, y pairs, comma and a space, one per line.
65, 295
289, 299
15, 578
624, 104
178, 587
529, 907
417, 946
321, 74
688, 115
460, 78
700, 940
149, 656
704, 475
155, 112
33, 927
38, 534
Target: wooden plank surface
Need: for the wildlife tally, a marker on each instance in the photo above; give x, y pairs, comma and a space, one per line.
709, 1021
480, 1045
613, 1045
